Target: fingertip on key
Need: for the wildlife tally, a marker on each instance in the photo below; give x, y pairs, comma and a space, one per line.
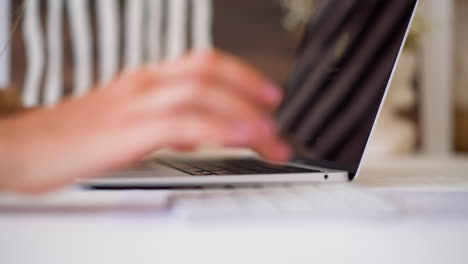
282, 152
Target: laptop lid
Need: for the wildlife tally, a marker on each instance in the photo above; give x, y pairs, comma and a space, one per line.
342, 72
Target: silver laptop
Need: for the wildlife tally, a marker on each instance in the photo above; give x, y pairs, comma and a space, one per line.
336, 88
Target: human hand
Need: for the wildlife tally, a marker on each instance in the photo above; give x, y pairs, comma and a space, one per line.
206, 97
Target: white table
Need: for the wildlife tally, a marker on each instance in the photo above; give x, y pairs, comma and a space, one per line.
123, 236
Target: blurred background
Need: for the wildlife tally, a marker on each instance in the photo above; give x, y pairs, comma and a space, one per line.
424, 123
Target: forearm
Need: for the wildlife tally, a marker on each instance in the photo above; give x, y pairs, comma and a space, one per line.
23, 149
10, 109
10, 158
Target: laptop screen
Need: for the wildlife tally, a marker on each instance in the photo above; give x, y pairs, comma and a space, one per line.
340, 76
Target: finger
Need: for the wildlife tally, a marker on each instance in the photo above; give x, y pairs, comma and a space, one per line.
211, 66
198, 130
269, 145
191, 97
185, 147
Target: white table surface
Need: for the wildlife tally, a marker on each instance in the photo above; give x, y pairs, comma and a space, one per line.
147, 236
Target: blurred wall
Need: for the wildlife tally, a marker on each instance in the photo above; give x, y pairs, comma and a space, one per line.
253, 30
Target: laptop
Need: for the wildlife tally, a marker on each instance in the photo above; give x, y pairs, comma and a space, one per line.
336, 88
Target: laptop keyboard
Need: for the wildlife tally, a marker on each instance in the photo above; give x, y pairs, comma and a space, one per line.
231, 167
333, 201
312, 199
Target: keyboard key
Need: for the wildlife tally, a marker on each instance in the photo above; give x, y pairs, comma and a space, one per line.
192, 171
231, 167
224, 172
